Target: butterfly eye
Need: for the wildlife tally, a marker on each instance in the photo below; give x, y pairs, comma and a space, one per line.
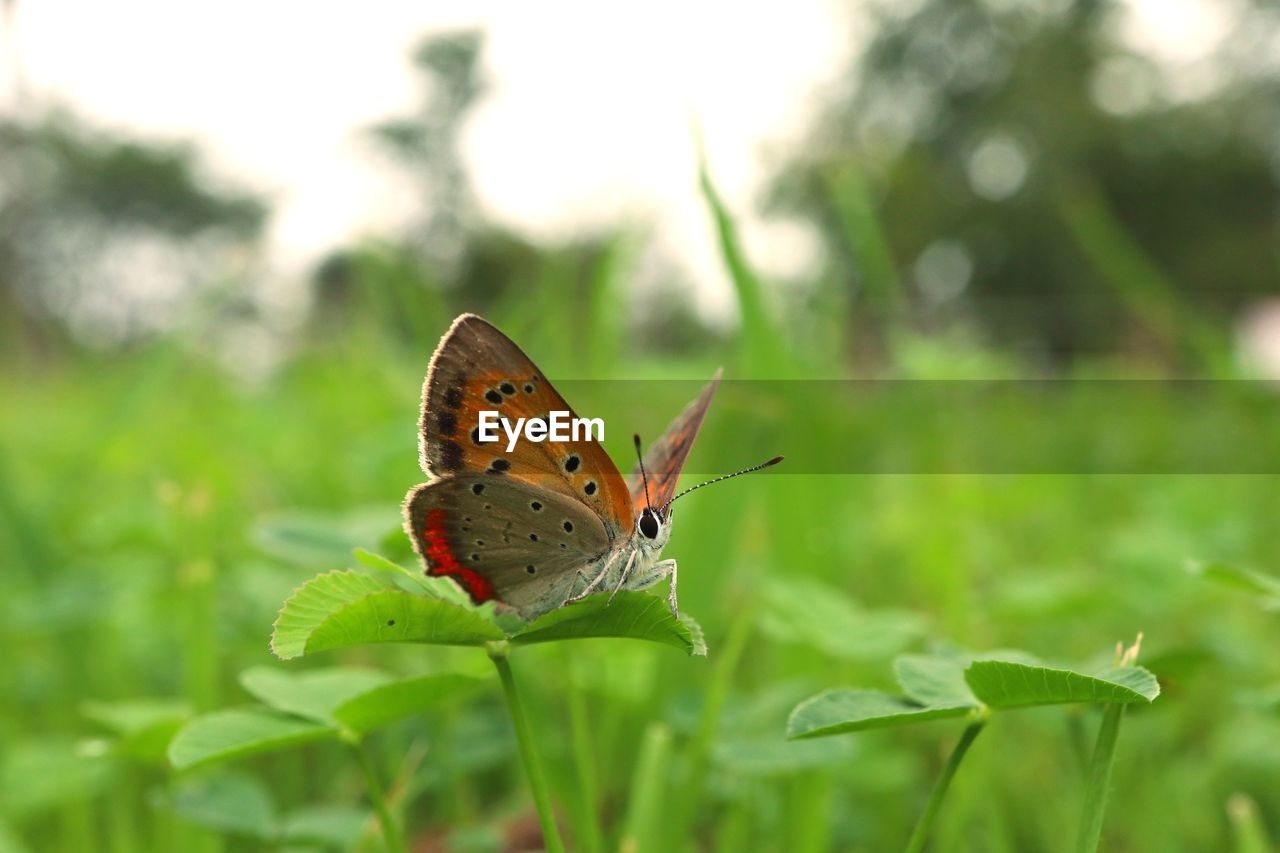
649, 525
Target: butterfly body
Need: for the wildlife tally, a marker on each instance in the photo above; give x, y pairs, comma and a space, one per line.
546, 523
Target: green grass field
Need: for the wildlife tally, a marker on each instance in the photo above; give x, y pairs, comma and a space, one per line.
156, 512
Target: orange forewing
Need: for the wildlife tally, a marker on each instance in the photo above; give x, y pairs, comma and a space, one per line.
666, 457
476, 368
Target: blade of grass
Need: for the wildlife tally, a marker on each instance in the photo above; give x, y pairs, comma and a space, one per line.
642, 828
1133, 275
699, 755
763, 356
854, 208
921, 833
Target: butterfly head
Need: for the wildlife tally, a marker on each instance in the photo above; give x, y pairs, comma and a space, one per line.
653, 527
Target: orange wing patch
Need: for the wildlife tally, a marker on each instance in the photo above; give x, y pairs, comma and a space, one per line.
476, 368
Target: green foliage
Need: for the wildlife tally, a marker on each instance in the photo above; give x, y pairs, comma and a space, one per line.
1005, 684
942, 686
157, 511
302, 707
631, 615
239, 733
839, 711
238, 804
1266, 587
341, 609
143, 727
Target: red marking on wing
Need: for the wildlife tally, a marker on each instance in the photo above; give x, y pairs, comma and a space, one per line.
442, 562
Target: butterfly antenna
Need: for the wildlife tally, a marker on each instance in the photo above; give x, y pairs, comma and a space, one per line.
774, 461
643, 475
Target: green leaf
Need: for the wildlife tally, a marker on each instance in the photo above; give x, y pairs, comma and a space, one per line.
335, 826
224, 735
143, 727
394, 616
132, 716
631, 615
231, 802
934, 679
314, 694
838, 711
312, 603
340, 609
765, 757
1009, 684
387, 703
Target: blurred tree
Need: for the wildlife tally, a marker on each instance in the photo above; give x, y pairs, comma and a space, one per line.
1021, 164
97, 230
425, 144
453, 257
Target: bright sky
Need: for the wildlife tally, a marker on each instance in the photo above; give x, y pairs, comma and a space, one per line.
587, 120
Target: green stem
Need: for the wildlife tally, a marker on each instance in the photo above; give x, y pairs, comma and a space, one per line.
1095, 802
588, 824
390, 829
524, 738
643, 823
921, 832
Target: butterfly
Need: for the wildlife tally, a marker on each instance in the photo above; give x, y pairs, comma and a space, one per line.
550, 522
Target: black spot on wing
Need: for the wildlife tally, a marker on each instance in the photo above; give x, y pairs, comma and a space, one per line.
446, 423
572, 463
451, 455
493, 397
453, 397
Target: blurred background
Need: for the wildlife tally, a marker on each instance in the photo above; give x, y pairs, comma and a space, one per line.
231, 236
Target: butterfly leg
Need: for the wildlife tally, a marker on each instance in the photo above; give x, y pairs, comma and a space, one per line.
626, 573
590, 587
655, 573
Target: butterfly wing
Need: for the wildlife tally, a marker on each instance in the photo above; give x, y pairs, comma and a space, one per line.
502, 539
476, 368
665, 458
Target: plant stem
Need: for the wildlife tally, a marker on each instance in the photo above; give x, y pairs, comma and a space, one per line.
1095, 802
588, 825
390, 828
644, 814
524, 738
921, 832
